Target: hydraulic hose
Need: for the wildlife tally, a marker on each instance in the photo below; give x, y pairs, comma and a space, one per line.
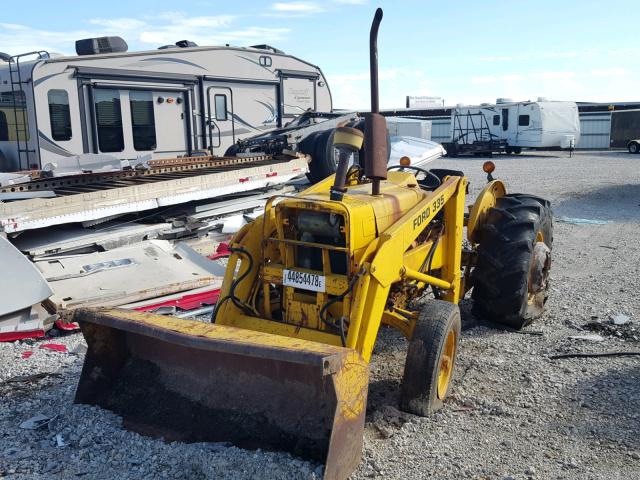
340, 326
232, 295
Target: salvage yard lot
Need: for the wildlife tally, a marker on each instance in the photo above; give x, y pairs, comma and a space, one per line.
513, 413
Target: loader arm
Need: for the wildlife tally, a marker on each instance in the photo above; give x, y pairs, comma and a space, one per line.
394, 258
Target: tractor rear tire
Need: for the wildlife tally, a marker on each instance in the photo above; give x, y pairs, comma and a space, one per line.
511, 277
431, 357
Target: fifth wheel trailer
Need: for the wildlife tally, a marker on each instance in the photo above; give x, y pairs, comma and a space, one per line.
175, 101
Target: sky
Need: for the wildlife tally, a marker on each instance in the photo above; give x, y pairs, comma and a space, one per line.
466, 51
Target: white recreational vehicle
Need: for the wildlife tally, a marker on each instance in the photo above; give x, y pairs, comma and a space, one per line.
169, 102
511, 126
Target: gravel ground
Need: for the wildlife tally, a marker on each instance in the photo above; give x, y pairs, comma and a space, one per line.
513, 413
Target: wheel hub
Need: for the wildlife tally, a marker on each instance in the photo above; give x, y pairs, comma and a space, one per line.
445, 368
539, 273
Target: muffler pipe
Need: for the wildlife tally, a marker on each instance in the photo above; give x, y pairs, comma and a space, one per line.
373, 60
376, 148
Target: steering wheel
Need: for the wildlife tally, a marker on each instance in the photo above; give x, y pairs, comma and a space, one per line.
431, 180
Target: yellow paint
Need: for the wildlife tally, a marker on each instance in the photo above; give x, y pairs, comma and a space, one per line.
399, 322
351, 383
335, 284
360, 302
232, 334
452, 243
445, 367
485, 201
399, 237
283, 329
431, 280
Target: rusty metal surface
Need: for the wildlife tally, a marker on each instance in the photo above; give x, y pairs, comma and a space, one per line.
271, 393
376, 147
160, 169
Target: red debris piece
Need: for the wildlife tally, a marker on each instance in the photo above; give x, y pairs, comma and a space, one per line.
27, 354
67, 326
56, 347
186, 302
221, 251
13, 336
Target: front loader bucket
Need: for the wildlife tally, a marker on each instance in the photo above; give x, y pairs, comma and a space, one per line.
192, 381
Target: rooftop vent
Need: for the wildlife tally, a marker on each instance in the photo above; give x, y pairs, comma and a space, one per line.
186, 44
95, 46
268, 48
504, 100
5, 57
179, 44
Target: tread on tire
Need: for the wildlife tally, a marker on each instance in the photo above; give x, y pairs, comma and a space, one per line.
505, 253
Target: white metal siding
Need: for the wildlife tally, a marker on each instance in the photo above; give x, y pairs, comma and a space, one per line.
409, 127
594, 130
440, 129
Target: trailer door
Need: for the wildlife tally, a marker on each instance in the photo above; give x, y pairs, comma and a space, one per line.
220, 119
134, 121
505, 119
171, 121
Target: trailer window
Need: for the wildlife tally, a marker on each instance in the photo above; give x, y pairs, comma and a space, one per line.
496, 119
221, 107
142, 120
14, 107
4, 127
109, 120
298, 95
59, 114
523, 120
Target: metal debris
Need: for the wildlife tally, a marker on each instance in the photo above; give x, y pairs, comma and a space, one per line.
588, 338
620, 319
37, 421
582, 221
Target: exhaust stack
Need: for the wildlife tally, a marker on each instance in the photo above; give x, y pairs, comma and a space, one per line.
375, 144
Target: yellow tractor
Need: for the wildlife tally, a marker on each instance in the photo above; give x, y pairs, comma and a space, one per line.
284, 362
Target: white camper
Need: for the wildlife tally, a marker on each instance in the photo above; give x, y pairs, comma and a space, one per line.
513, 126
174, 101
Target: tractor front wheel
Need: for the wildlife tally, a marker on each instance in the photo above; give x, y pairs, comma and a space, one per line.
511, 277
431, 358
